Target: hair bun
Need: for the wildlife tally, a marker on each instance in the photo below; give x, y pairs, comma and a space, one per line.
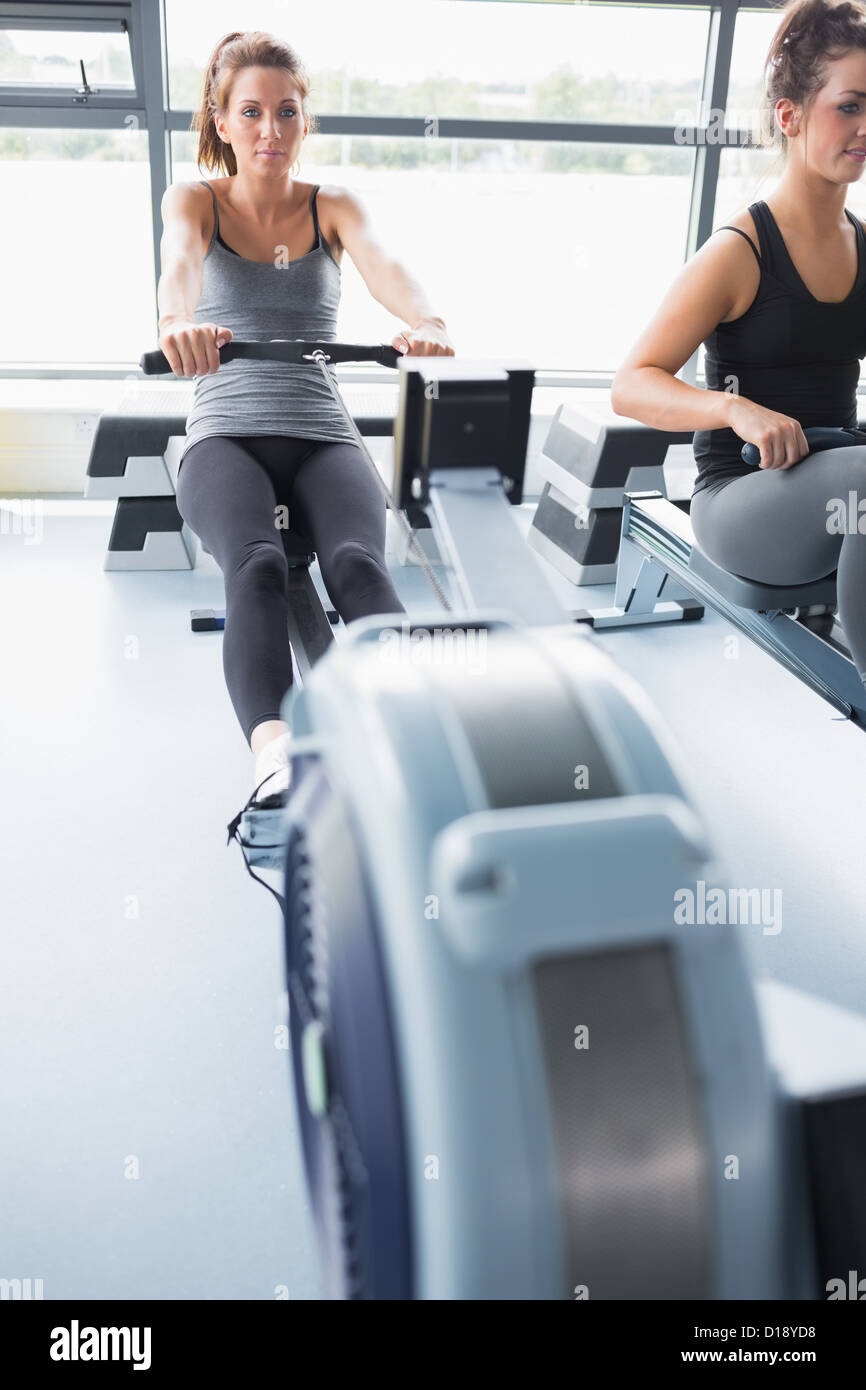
811, 33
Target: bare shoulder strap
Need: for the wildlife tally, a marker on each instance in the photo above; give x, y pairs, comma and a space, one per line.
216, 216
741, 233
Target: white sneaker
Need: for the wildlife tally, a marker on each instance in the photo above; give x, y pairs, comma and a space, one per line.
273, 770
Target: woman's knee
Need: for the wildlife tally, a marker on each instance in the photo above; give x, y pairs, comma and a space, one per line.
262, 567
355, 566
756, 533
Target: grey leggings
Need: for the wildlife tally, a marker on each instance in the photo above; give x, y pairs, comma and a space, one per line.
228, 490
773, 526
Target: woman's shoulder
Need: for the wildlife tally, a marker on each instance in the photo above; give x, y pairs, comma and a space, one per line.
339, 210
202, 185
334, 194
185, 188
187, 201
192, 195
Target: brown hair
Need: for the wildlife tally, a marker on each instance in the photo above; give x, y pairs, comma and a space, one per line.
811, 34
251, 49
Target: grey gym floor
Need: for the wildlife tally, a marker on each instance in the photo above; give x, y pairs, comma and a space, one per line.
150, 1148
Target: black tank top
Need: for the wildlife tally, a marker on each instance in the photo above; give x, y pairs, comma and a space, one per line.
789, 351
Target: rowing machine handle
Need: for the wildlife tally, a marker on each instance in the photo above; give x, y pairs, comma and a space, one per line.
817, 437
153, 363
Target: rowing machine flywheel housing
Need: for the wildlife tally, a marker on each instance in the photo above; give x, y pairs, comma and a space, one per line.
513, 1075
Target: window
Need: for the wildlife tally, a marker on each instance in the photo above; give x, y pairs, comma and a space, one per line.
78, 280
753, 34
467, 58
52, 57
745, 176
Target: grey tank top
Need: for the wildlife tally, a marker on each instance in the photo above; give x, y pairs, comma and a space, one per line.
260, 300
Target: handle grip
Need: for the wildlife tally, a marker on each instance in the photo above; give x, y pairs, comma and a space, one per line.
152, 363
817, 437
285, 350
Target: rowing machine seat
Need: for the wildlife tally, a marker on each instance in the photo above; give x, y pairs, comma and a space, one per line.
748, 593
299, 548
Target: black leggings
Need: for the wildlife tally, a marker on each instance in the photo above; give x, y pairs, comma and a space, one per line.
228, 489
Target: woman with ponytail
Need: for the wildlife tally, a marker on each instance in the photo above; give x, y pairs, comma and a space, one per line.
778, 297
255, 253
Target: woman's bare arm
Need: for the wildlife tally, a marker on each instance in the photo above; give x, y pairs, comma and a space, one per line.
719, 282
192, 349
181, 253
388, 281
706, 290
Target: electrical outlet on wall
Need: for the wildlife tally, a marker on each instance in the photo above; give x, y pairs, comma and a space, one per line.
85, 426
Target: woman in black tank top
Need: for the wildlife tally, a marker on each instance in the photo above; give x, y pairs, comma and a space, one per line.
791, 352
778, 297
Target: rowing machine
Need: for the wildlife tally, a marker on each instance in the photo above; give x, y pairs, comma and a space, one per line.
520, 1072
795, 624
